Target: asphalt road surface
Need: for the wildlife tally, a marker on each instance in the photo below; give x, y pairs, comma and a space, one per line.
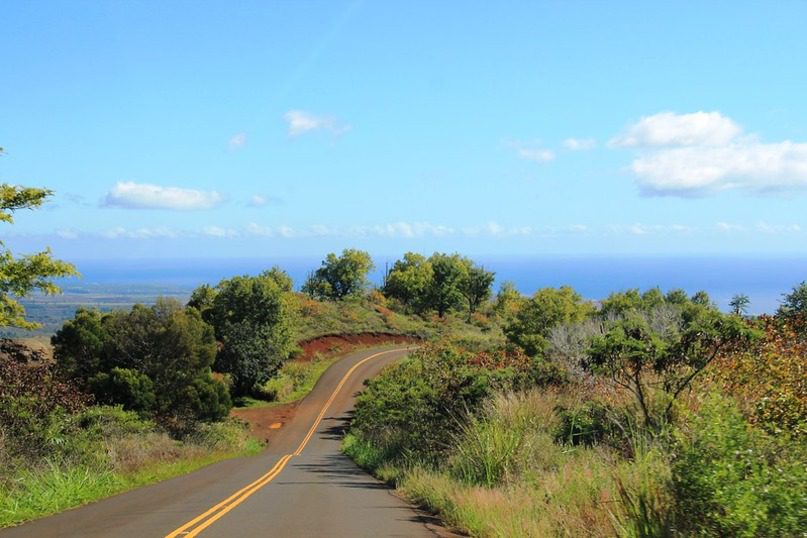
300, 486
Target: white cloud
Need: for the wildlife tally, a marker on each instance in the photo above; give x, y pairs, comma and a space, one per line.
67, 234
671, 129
257, 229
651, 229
706, 152
728, 227
217, 231
766, 227
237, 141
701, 170
537, 154
258, 200
131, 195
579, 144
140, 233
300, 122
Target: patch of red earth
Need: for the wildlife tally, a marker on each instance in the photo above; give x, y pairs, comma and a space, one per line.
334, 344
263, 421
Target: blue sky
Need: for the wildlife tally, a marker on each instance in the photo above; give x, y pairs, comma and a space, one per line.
202, 129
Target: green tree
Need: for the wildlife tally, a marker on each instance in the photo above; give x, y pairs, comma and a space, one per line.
739, 304
408, 281
340, 276
548, 308
795, 302
444, 291
253, 318
475, 286
19, 276
656, 366
153, 359
508, 301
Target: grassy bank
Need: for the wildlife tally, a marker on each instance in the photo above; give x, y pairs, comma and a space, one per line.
497, 451
108, 451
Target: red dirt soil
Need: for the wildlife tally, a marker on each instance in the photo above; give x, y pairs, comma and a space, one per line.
261, 419
335, 344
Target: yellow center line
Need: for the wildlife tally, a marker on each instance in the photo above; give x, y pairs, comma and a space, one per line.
219, 510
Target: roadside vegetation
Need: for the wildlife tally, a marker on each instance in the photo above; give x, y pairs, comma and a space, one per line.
646, 415
132, 396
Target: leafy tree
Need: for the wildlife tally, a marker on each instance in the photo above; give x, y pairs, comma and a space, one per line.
253, 318
547, 309
22, 275
340, 276
444, 291
408, 281
650, 362
508, 301
475, 286
794, 302
739, 304
129, 388
202, 300
79, 346
280, 277
152, 359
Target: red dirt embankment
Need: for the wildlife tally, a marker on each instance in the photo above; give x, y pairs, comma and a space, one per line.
265, 420
332, 344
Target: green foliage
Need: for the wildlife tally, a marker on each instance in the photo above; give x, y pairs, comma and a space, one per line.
416, 405
444, 291
732, 480
585, 424
154, 360
132, 389
409, 280
254, 319
508, 302
340, 276
655, 350
476, 286
23, 275
739, 304
548, 308
795, 302
441, 283
33, 402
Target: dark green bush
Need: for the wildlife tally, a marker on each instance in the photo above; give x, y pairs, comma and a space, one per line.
586, 425
731, 479
416, 406
131, 389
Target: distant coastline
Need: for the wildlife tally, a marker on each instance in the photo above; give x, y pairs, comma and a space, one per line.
121, 283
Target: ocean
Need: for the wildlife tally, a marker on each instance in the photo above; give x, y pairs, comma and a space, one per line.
764, 280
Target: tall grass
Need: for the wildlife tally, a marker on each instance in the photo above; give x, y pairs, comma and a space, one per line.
507, 476
110, 461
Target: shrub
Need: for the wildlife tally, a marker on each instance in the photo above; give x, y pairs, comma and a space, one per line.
586, 424
731, 479
129, 388
415, 406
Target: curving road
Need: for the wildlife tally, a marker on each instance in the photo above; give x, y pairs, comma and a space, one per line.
300, 486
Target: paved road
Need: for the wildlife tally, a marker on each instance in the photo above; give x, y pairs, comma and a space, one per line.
300, 486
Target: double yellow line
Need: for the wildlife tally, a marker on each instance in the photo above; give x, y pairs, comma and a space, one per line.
204, 520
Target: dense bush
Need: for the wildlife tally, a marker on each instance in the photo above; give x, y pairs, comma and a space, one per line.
33, 404
254, 319
731, 479
415, 406
770, 380
531, 327
154, 360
